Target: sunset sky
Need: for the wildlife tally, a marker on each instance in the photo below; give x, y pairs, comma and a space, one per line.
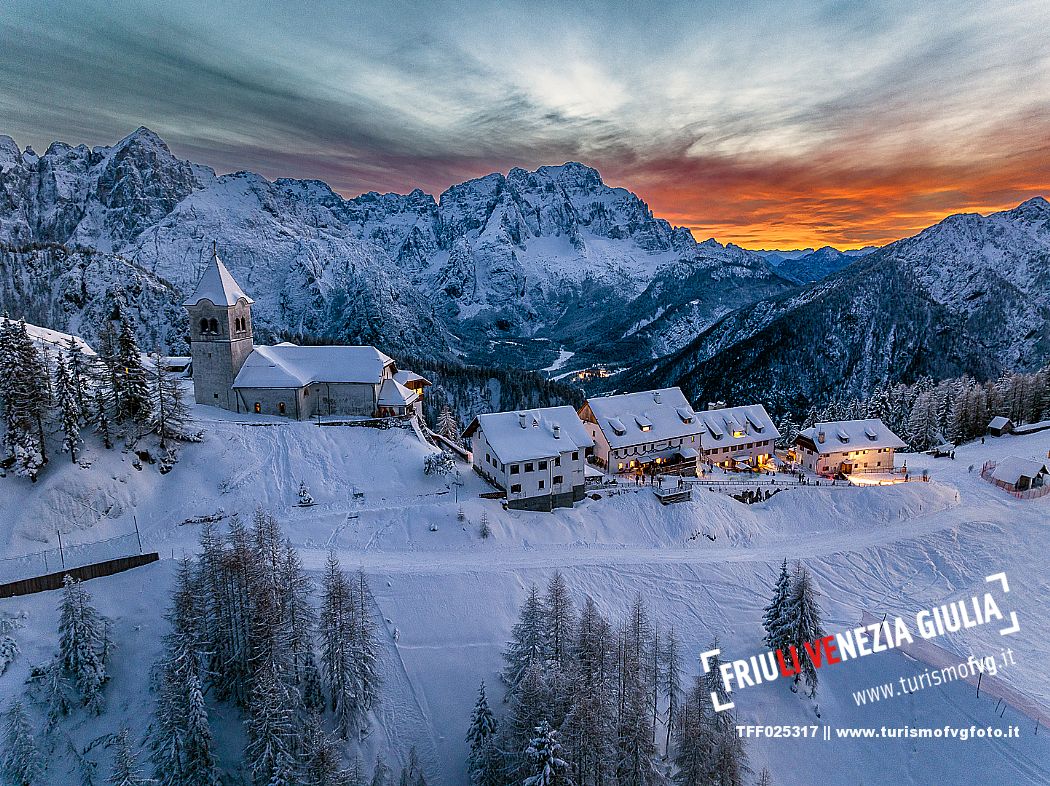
773, 124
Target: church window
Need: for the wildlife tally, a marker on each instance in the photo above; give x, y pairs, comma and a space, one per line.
213, 325
258, 408
204, 326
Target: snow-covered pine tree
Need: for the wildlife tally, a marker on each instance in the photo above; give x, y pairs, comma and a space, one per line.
69, 409
635, 747
133, 402
305, 497
693, 743
447, 425
672, 682
526, 646
764, 778
804, 624
198, 765
544, 753
24, 386
589, 730
125, 764
271, 728
559, 632
484, 529
365, 650
484, 764
773, 619
321, 762
170, 415
412, 772
20, 761
101, 417
77, 372
82, 644
381, 774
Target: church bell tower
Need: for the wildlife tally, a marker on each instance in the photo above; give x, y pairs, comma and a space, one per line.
220, 334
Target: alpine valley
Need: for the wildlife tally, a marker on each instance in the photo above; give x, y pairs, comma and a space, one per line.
551, 268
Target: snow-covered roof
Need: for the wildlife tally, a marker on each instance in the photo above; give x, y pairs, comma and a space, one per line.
394, 394
291, 366
531, 433
218, 286
410, 377
732, 426
56, 340
998, 422
1012, 468
651, 416
841, 436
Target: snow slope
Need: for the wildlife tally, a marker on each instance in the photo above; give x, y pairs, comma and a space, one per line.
448, 598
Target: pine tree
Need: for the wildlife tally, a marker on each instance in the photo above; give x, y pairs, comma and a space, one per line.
483, 761
321, 760
198, 759
764, 778
133, 405
20, 760
69, 408
82, 644
169, 412
526, 647
589, 730
125, 766
635, 747
77, 373
804, 624
447, 425
381, 775
773, 619
558, 633
412, 773
270, 729
548, 768
672, 683
102, 420
24, 386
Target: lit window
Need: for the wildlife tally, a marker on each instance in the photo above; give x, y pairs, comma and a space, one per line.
258, 407
280, 407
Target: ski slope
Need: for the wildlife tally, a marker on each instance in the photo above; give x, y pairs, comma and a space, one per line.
448, 598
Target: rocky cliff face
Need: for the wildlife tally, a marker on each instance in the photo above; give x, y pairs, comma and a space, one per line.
966, 296
545, 255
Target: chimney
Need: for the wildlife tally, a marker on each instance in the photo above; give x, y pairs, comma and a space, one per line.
820, 436
521, 419
656, 396
557, 431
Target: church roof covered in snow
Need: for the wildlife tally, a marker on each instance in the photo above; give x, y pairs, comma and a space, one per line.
1012, 468
733, 426
292, 366
394, 394
635, 418
841, 436
411, 379
217, 285
531, 433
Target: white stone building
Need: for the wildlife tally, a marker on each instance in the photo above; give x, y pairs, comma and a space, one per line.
231, 372
536, 456
653, 430
847, 447
738, 437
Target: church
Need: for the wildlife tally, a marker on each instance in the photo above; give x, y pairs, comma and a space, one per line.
288, 380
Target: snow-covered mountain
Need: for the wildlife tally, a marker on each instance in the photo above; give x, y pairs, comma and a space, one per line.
544, 255
966, 296
807, 265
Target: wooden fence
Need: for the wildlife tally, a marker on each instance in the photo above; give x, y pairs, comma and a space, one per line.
53, 581
1033, 493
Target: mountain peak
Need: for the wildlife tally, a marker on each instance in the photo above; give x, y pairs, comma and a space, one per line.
142, 136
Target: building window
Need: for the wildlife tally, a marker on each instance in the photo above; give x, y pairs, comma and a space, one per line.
619, 465
214, 395
258, 408
576, 455
514, 469
543, 465
204, 326
528, 467
558, 479
213, 325
515, 489
541, 485
280, 407
557, 461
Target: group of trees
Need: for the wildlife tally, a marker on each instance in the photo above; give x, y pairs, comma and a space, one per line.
64, 391
244, 626
590, 703
928, 413
792, 619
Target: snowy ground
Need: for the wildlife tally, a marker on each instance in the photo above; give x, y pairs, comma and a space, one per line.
449, 598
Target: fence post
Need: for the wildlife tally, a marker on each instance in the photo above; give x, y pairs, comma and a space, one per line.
61, 552
137, 535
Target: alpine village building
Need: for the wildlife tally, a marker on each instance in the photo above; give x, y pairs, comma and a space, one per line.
231, 372
847, 447
658, 430
537, 456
